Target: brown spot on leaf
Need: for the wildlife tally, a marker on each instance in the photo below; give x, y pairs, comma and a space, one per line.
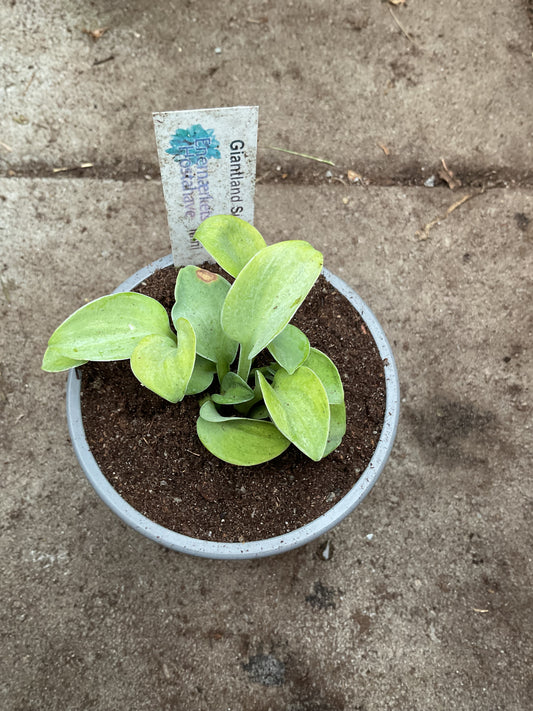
206, 276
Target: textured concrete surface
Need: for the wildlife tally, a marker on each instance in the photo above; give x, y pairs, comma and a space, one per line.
426, 80
426, 599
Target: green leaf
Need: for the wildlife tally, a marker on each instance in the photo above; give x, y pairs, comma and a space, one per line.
269, 371
209, 412
202, 376
109, 328
54, 362
232, 242
298, 405
290, 348
234, 390
266, 294
199, 297
239, 440
337, 427
244, 408
164, 367
326, 370
259, 412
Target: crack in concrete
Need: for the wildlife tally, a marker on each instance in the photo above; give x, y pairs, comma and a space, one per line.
292, 172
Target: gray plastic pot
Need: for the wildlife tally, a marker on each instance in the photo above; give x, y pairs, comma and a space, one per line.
252, 549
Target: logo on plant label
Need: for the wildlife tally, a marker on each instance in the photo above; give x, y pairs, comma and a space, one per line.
195, 144
192, 148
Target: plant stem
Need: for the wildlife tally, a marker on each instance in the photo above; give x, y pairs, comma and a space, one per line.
222, 371
244, 364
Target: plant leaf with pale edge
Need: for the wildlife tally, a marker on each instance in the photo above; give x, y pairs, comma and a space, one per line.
234, 390
337, 427
209, 412
298, 406
267, 292
327, 371
54, 362
232, 242
202, 376
331, 380
163, 367
199, 297
240, 440
290, 348
109, 328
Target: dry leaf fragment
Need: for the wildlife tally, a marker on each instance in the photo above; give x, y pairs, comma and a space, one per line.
449, 176
458, 203
28, 84
353, 177
21, 119
423, 233
95, 34
402, 28
74, 167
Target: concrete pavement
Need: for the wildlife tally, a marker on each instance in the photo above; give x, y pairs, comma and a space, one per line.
426, 600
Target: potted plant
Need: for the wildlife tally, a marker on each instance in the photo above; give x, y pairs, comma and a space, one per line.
260, 389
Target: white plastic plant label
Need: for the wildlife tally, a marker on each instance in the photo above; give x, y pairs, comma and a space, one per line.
208, 162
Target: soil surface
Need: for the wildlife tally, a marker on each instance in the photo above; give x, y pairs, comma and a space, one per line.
149, 450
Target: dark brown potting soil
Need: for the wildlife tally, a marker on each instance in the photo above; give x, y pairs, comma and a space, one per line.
149, 450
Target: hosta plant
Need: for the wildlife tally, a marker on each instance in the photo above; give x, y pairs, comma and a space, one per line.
253, 413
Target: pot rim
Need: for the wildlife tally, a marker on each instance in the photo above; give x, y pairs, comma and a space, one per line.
258, 548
